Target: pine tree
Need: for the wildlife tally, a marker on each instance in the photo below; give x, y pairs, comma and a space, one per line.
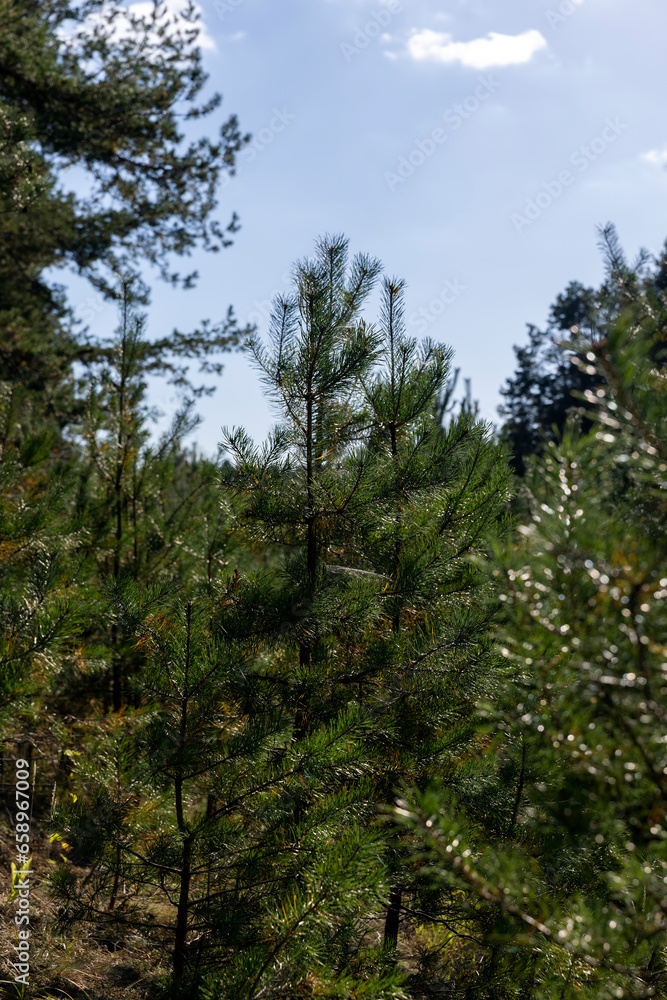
551, 383
276, 715
39, 537
210, 758
443, 491
149, 193
216, 788
145, 502
570, 902
310, 486
548, 383
381, 515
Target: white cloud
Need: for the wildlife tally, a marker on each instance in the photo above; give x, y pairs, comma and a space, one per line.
237, 36
480, 53
656, 157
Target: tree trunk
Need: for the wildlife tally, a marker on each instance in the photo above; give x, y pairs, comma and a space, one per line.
393, 919
116, 678
180, 936
183, 911
116, 880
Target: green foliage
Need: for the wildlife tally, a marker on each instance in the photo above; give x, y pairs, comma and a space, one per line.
378, 615
275, 712
149, 195
552, 383
570, 898
38, 540
94, 88
188, 806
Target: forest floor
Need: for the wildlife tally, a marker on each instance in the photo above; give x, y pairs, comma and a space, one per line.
83, 965
76, 966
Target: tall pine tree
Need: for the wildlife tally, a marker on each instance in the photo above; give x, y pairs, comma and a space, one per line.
571, 901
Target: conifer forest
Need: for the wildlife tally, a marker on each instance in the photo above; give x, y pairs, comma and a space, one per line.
374, 708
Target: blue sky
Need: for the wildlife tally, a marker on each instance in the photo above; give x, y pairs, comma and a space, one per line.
474, 147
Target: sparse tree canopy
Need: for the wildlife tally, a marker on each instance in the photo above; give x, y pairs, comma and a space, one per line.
97, 99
